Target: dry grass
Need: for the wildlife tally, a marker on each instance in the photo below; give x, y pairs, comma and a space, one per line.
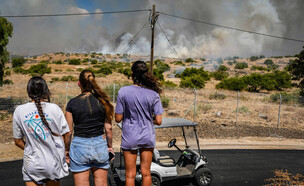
285, 178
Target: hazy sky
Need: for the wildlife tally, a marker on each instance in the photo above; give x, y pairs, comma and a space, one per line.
111, 33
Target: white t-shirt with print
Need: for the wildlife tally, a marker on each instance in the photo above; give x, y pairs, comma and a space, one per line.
44, 155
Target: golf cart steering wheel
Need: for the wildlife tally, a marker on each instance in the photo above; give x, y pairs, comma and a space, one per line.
172, 143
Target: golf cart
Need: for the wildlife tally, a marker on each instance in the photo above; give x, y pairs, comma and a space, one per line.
190, 164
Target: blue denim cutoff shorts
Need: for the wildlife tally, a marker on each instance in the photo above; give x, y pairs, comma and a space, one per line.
86, 153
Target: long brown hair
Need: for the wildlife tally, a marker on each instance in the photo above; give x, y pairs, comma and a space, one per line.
38, 91
142, 77
88, 83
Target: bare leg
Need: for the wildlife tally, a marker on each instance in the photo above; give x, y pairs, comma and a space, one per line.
82, 178
100, 176
27, 183
145, 165
130, 162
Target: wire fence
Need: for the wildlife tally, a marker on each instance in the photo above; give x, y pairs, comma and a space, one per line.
215, 106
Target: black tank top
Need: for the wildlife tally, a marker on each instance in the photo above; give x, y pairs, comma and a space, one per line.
88, 115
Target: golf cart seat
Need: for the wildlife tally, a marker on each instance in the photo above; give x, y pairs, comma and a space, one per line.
164, 159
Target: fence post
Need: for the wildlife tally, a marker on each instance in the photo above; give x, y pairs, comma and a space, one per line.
114, 93
66, 93
237, 107
194, 105
279, 110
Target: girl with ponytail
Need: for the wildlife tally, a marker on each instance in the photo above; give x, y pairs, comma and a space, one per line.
91, 113
139, 107
42, 125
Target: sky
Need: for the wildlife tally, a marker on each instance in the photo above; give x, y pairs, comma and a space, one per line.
113, 33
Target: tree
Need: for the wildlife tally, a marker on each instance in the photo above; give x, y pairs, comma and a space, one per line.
6, 31
18, 62
296, 68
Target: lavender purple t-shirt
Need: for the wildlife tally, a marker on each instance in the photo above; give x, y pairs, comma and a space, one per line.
137, 105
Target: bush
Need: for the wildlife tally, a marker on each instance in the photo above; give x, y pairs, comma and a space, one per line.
126, 72
244, 110
163, 67
233, 83
74, 62
188, 72
20, 70
58, 62
104, 70
223, 68
189, 60
268, 62
220, 75
18, 62
158, 74
68, 78
254, 58
85, 59
168, 84
39, 69
259, 68
7, 73
179, 63
195, 81
241, 65
94, 61
217, 96
165, 101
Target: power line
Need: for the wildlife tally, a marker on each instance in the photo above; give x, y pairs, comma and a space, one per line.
129, 44
168, 40
75, 14
231, 28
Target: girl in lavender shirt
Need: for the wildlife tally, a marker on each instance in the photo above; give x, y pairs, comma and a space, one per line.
136, 106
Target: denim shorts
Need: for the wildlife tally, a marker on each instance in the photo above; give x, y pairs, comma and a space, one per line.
86, 153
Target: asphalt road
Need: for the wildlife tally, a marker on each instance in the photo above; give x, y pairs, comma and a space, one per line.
229, 167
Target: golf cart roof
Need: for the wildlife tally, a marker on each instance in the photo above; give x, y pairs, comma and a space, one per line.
172, 122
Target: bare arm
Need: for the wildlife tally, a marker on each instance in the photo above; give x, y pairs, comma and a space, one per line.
20, 143
158, 120
108, 130
67, 136
118, 117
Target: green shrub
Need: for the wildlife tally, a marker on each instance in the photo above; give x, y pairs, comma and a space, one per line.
217, 96
233, 83
179, 63
158, 74
223, 68
74, 62
168, 84
254, 58
220, 75
165, 101
8, 82
39, 69
19, 70
58, 70
241, 65
104, 70
54, 79
163, 67
205, 108
79, 69
126, 72
188, 72
230, 63
7, 73
268, 62
261, 68
85, 59
18, 62
189, 60
194, 81
58, 62
68, 78
94, 61
69, 70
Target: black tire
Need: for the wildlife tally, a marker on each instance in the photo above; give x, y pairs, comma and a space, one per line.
203, 177
155, 181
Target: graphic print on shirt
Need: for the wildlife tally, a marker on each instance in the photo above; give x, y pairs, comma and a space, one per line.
36, 126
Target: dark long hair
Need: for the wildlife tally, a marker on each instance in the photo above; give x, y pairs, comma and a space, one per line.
142, 77
38, 91
88, 83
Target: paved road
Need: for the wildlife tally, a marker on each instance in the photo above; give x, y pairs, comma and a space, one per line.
229, 167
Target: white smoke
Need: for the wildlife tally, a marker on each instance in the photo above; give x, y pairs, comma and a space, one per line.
113, 33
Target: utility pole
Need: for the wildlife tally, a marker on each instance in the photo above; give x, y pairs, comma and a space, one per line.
152, 24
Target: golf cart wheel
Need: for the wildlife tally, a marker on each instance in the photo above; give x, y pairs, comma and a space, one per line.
203, 176
155, 181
